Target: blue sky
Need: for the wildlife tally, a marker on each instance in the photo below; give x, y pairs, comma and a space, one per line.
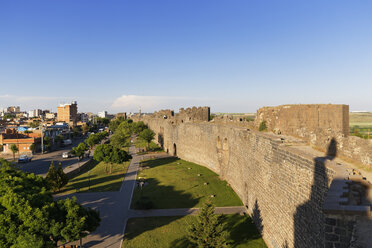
232, 55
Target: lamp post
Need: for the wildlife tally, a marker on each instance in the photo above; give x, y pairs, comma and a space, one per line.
89, 179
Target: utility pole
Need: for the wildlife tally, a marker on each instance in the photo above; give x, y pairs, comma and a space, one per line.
42, 137
42, 141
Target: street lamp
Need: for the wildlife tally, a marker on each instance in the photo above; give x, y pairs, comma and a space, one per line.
89, 179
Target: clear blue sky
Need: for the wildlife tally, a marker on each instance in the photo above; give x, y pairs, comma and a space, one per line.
234, 56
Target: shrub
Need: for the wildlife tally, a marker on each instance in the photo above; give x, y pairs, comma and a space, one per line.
262, 126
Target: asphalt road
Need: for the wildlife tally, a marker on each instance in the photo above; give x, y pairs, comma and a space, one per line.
40, 162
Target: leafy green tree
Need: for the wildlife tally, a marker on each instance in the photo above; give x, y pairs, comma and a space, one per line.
34, 124
95, 139
76, 131
56, 177
103, 121
208, 231
121, 138
110, 154
14, 149
91, 141
79, 150
4, 163
32, 148
47, 142
114, 124
8, 116
85, 129
147, 135
138, 127
1, 148
59, 139
30, 217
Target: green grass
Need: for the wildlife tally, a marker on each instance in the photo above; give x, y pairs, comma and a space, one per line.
99, 179
169, 232
143, 144
361, 124
172, 185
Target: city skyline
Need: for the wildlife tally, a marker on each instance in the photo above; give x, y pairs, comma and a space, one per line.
234, 56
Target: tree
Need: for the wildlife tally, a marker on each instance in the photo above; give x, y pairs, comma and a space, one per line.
147, 135
85, 129
34, 124
95, 139
110, 154
8, 116
91, 141
208, 231
80, 150
103, 121
30, 217
4, 163
14, 149
114, 124
138, 127
121, 138
76, 131
59, 139
32, 148
56, 177
47, 142
1, 148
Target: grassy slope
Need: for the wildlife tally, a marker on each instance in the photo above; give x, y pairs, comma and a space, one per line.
169, 232
172, 185
99, 180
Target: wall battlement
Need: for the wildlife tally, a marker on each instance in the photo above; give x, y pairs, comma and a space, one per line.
284, 186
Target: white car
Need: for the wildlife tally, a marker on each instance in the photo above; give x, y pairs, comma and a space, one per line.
66, 155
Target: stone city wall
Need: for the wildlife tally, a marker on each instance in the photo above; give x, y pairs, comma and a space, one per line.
283, 187
318, 124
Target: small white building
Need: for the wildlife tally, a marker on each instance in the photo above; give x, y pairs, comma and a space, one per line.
102, 114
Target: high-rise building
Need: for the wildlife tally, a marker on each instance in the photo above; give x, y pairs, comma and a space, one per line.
67, 113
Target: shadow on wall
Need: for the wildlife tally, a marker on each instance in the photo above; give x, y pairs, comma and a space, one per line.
161, 140
309, 219
174, 150
257, 218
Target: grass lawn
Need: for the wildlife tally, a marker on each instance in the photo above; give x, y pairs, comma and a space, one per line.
139, 143
170, 184
99, 179
169, 232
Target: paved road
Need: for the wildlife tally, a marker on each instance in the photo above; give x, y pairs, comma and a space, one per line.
40, 162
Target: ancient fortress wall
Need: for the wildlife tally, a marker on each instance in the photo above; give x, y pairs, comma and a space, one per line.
282, 186
317, 124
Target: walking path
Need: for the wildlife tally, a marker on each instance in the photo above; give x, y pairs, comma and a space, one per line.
114, 207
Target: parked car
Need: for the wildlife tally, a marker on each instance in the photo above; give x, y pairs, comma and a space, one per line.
66, 155
24, 159
67, 142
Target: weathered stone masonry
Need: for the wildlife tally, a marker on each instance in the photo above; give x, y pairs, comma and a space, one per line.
283, 188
